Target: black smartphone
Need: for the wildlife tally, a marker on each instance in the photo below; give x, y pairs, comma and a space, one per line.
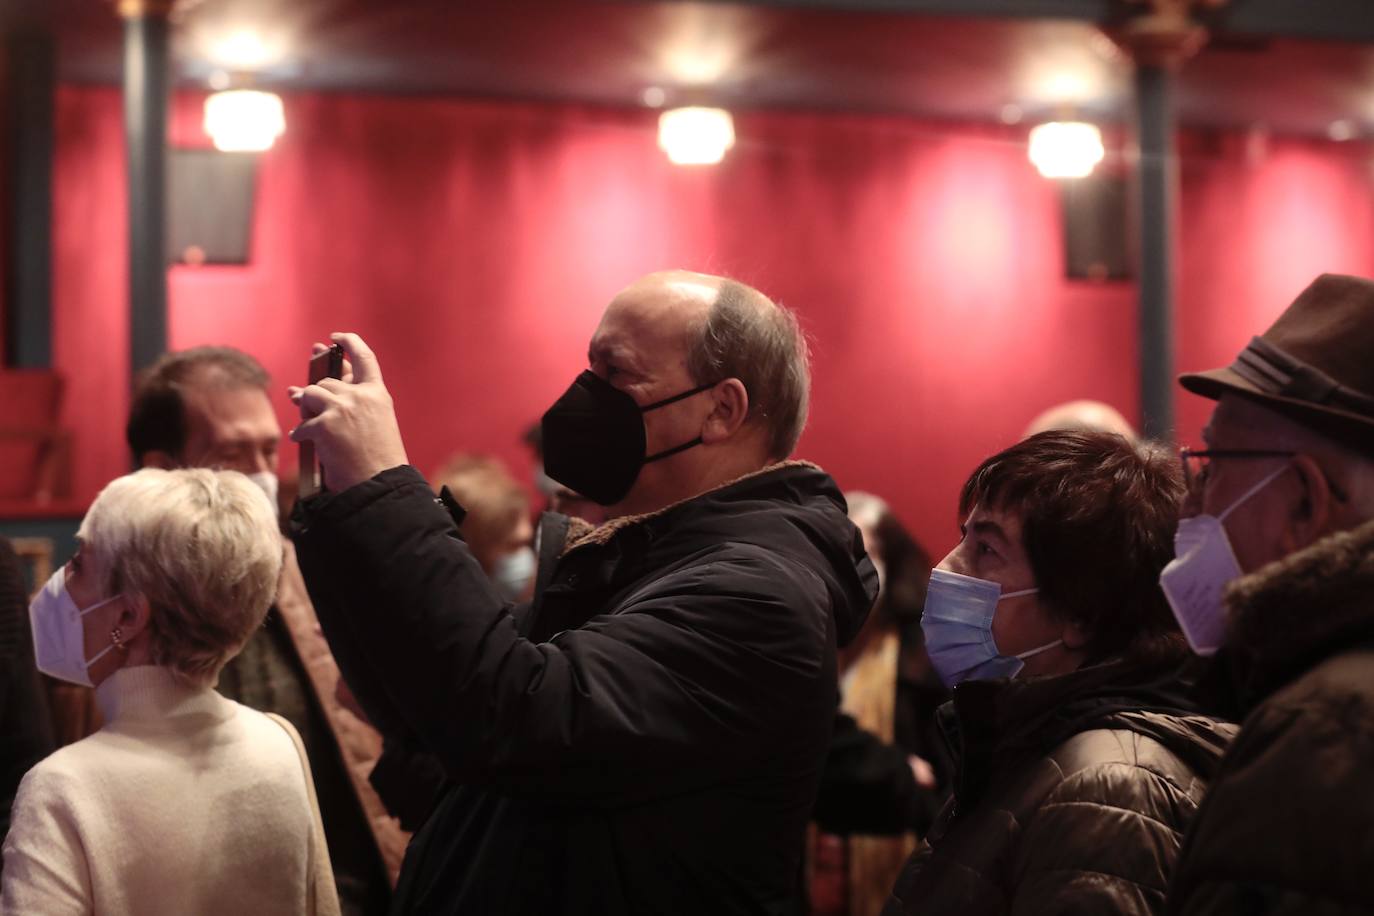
327, 364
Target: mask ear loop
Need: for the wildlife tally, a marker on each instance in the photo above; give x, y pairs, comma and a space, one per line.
1251, 492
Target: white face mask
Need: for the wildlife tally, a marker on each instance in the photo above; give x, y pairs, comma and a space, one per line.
1203, 565
59, 642
512, 573
267, 482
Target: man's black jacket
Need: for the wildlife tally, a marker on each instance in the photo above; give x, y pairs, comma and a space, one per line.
647, 737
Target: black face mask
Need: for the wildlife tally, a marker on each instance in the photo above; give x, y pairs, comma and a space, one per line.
594, 438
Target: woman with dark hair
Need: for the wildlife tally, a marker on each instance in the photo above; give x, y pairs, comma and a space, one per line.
886, 773
1081, 753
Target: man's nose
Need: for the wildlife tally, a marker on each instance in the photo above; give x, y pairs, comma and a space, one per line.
954, 563
264, 461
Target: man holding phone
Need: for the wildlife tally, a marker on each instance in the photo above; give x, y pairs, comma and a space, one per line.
648, 734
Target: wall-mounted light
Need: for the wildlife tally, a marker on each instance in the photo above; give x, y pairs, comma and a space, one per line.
696, 136
1066, 149
244, 120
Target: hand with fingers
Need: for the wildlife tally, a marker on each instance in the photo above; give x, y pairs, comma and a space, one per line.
351, 420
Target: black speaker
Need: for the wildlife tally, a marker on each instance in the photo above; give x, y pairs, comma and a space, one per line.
210, 206
1095, 227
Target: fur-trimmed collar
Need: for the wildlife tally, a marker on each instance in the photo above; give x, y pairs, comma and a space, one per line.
581, 533
1287, 616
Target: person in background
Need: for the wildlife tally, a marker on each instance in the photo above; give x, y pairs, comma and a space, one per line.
1081, 751
25, 726
1274, 578
887, 771
1082, 415
648, 734
208, 407
497, 527
183, 802
498, 531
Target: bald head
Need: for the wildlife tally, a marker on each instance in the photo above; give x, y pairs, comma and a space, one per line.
1090, 416
717, 328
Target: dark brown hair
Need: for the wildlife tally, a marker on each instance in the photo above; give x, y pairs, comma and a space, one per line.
157, 417
1097, 522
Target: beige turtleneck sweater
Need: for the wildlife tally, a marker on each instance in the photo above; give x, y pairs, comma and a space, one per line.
184, 803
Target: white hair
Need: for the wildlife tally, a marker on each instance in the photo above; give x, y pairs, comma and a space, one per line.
201, 546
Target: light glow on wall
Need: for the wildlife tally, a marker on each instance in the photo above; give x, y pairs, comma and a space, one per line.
1066, 149
244, 120
696, 136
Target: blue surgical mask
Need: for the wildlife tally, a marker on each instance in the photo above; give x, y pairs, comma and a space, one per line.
957, 623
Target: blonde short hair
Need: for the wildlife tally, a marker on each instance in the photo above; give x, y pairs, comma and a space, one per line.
201, 546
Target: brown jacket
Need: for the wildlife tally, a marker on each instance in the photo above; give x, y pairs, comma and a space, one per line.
358, 741
1288, 827
1071, 796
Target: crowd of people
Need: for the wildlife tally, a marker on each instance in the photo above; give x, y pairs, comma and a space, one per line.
705, 680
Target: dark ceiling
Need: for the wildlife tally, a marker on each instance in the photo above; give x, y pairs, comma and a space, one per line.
812, 55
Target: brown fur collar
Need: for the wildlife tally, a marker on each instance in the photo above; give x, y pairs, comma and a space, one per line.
1288, 615
581, 533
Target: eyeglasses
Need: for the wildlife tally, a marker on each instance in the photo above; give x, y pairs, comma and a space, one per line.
1196, 460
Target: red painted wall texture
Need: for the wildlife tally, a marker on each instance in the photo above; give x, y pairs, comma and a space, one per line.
474, 244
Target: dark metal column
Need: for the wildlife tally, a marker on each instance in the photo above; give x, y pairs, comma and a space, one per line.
146, 86
32, 80
1157, 175
1159, 39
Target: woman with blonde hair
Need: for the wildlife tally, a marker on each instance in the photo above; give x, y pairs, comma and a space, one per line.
184, 802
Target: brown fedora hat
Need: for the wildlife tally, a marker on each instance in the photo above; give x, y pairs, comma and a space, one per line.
1315, 364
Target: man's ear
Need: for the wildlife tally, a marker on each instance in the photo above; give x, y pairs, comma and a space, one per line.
157, 458
730, 410
1311, 508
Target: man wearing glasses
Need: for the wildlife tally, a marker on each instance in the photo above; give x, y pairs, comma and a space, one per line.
1274, 576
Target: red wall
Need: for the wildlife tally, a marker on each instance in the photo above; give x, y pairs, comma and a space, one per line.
474, 245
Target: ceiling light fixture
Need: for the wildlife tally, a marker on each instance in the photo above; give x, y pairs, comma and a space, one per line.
1066, 149
696, 136
244, 120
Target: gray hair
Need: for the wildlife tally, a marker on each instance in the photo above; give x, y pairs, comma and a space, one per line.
749, 337
201, 546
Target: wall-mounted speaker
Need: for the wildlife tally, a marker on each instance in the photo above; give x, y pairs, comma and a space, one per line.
210, 206
1095, 212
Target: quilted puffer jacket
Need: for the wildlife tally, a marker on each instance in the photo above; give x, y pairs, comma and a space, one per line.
1071, 794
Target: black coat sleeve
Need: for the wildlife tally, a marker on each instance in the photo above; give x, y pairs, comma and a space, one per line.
692, 670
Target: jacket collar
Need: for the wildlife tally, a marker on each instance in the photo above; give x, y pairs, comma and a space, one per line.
995, 725
1287, 616
582, 534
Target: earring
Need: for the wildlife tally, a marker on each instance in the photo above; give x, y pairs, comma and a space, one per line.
116, 637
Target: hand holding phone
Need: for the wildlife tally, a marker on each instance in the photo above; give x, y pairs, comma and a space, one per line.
325, 364
351, 421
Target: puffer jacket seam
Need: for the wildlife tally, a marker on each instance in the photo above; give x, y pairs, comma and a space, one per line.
1109, 807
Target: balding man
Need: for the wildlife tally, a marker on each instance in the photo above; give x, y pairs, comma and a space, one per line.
647, 735
1275, 568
